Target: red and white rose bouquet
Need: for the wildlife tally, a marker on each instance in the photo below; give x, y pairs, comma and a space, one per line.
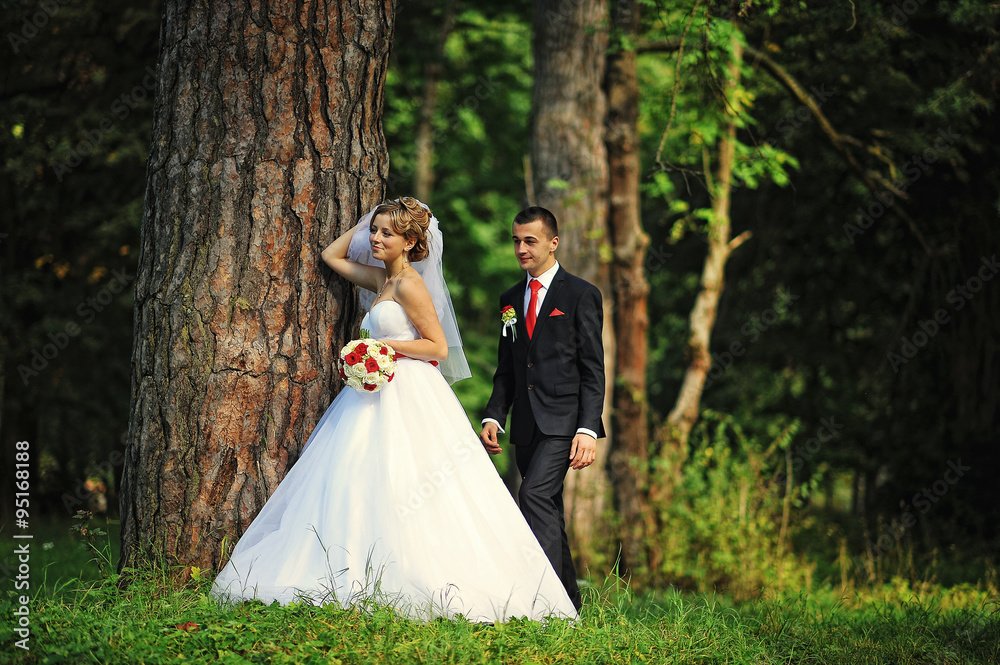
367, 364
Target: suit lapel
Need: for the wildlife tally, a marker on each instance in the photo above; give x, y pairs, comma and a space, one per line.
547, 305
521, 325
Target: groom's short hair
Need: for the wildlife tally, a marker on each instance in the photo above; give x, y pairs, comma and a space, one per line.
540, 214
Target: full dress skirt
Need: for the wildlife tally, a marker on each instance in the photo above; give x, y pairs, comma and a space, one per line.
394, 501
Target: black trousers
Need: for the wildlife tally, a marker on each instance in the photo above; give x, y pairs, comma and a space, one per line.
543, 465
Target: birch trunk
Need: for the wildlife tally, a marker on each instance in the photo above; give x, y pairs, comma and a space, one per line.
675, 432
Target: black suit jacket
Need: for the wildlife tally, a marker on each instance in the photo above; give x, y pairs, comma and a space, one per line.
556, 378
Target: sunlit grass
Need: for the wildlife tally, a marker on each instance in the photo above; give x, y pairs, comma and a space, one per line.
148, 618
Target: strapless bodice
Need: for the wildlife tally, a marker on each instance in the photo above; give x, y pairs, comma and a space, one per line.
388, 320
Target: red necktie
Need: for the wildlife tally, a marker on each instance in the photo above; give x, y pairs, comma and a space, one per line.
534, 285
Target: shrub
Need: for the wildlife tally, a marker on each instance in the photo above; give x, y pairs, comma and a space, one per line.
730, 516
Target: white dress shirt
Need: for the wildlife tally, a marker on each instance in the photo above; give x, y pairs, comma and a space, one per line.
546, 280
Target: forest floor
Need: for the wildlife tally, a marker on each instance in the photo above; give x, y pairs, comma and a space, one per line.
80, 613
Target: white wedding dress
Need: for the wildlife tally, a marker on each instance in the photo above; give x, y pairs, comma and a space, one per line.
394, 500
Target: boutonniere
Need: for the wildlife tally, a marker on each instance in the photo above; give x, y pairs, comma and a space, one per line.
509, 318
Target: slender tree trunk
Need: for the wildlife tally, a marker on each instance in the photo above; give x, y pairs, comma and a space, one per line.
423, 176
267, 142
629, 456
681, 419
571, 179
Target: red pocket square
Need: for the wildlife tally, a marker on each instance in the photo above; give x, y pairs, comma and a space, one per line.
556, 312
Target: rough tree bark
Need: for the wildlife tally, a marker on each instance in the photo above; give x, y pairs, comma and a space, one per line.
267, 142
674, 434
629, 455
570, 178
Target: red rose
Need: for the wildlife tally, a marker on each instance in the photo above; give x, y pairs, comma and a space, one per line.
371, 365
361, 348
385, 350
352, 358
369, 387
342, 374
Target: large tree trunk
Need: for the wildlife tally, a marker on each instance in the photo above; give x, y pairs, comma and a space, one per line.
675, 432
570, 178
267, 142
629, 455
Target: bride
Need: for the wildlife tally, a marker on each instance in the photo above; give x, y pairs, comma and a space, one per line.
393, 499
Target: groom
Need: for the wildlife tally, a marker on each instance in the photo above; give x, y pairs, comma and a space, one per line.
550, 369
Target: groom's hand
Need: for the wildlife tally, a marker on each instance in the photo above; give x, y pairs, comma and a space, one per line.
489, 437
584, 451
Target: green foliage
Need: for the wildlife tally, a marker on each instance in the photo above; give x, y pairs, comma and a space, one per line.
725, 515
895, 80
93, 538
683, 117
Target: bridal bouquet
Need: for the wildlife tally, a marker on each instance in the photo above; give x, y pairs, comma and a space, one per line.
367, 364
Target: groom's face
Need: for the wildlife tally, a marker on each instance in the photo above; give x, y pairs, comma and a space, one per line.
534, 247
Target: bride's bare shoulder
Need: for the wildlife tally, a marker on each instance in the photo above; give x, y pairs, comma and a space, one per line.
411, 287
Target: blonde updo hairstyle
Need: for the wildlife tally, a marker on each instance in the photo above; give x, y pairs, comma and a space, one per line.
409, 219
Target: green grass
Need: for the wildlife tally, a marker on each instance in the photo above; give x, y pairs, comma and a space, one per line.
140, 618
102, 623
59, 555
110, 621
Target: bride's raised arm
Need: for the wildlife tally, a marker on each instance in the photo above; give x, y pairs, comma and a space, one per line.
335, 256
